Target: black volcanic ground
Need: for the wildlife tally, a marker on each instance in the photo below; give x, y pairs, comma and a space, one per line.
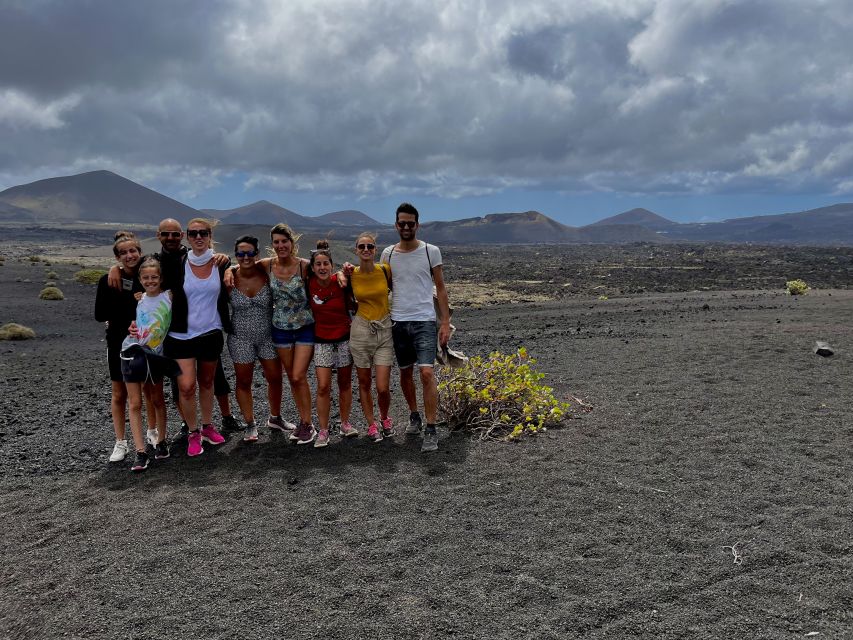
706, 495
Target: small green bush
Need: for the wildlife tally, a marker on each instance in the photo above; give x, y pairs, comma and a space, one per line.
51, 293
796, 287
499, 397
51, 275
15, 331
89, 276
50, 283
34, 259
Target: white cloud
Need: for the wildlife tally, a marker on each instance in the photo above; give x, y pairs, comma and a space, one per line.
451, 98
19, 110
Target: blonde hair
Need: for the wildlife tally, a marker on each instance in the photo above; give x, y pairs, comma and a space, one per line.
209, 223
281, 229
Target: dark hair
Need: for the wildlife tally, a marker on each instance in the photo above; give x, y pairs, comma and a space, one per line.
406, 207
252, 240
321, 250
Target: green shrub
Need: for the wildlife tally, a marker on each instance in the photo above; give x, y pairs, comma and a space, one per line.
499, 397
34, 259
51, 275
15, 331
51, 293
50, 283
796, 287
89, 276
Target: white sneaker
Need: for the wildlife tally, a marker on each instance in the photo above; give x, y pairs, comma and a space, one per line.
119, 451
151, 437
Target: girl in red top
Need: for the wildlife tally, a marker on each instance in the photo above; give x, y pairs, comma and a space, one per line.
330, 307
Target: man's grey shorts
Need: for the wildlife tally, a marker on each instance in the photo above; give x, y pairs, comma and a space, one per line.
415, 341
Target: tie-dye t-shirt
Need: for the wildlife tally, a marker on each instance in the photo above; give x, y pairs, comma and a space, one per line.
153, 316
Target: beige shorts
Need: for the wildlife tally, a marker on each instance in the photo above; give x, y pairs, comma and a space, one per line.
371, 342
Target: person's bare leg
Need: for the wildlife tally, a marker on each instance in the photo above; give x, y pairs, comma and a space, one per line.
299, 380
345, 392
244, 374
206, 371
430, 393
272, 373
365, 393
134, 402
186, 392
158, 404
324, 392
383, 389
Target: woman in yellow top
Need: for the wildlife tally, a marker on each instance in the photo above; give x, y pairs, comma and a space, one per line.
371, 343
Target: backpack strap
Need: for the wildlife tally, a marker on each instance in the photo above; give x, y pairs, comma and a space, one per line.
385, 266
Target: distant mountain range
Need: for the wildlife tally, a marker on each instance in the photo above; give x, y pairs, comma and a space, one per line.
104, 197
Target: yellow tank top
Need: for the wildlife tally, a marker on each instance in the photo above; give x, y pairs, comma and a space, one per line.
371, 292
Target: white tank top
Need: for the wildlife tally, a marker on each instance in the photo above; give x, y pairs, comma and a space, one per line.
202, 294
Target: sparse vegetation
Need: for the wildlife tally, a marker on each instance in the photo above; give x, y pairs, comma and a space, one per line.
89, 276
796, 287
52, 275
51, 293
50, 283
34, 259
498, 397
15, 331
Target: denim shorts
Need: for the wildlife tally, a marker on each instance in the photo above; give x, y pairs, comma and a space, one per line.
415, 341
286, 338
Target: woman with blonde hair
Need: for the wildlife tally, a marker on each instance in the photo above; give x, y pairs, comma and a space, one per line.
195, 341
371, 342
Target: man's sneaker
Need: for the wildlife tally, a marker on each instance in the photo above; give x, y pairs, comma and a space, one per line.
151, 436
141, 463
348, 431
280, 424
194, 447
430, 442
304, 433
387, 428
415, 424
373, 433
211, 435
161, 450
322, 439
181, 436
251, 433
119, 451
229, 423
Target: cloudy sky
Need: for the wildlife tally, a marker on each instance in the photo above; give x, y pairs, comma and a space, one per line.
696, 109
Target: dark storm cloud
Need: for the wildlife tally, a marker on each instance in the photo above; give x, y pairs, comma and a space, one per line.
453, 98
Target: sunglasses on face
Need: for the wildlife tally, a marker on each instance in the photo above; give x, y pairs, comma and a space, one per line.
192, 233
406, 224
368, 247
245, 254
170, 234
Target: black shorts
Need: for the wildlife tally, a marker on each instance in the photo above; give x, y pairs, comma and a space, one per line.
206, 347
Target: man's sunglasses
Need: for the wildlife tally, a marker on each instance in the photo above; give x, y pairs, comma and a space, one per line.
170, 234
245, 254
406, 224
192, 233
362, 247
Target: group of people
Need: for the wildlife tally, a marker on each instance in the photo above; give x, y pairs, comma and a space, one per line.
166, 315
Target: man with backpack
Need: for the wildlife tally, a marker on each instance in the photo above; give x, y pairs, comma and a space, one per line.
415, 267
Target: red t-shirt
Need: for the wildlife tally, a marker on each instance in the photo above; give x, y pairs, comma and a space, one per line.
329, 307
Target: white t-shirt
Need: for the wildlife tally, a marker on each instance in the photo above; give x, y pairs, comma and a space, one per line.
413, 285
202, 293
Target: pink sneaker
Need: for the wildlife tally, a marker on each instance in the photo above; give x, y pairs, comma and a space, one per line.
211, 435
322, 439
194, 447
373, 433
304, 433
387, 428
348, 431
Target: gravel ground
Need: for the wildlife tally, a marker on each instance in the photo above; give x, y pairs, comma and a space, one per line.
707, 495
